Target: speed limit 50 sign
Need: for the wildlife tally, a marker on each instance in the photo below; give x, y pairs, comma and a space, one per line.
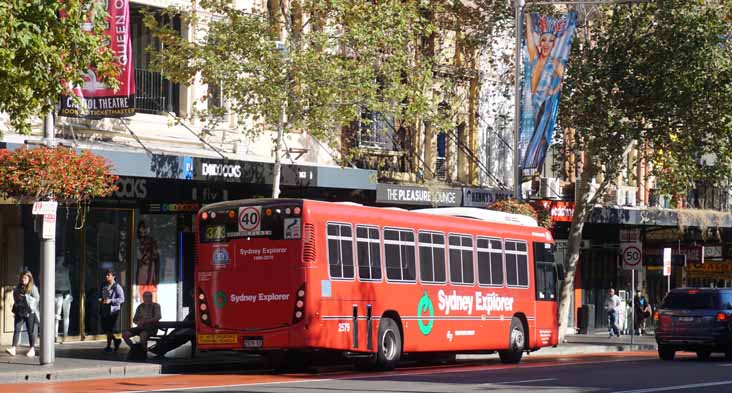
632, 255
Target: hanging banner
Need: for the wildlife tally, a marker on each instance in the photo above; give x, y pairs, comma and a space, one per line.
546, 47
96, 99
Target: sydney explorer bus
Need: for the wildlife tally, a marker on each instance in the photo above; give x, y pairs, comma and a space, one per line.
294, 275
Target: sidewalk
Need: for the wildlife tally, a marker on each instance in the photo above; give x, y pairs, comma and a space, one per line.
86, 360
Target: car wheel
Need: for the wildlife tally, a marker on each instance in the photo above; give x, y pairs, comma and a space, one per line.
666, 352
516, 343
703, 355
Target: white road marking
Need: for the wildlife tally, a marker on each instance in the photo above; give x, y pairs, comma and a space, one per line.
524, 381
222, 386
677, 387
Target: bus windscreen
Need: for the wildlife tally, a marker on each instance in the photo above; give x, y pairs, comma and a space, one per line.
275, 222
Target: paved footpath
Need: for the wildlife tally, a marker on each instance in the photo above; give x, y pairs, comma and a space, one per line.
86, 360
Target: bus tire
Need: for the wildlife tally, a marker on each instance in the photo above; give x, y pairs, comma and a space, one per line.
516, 343
389, 350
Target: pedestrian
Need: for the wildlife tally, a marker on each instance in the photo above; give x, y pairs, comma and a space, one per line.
612, 307
642, 311
147, 316
110, 303
25, 309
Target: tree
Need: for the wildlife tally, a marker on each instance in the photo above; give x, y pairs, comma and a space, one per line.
43, 50
312, 66
59, 174
656, 76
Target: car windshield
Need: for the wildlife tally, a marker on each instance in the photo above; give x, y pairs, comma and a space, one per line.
690, 301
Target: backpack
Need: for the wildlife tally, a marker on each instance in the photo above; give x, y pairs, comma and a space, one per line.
21, 308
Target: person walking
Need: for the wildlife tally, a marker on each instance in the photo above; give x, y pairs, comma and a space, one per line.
25, 310
111, 302
612, 307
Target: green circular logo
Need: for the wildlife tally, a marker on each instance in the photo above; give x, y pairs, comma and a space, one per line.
425, 306
220, 300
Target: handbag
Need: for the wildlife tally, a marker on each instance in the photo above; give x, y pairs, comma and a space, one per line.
21, 308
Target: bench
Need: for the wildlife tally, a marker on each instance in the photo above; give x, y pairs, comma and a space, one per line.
171, 335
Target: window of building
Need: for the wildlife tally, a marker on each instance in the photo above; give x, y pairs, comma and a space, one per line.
490, 261
368, 252
340, 250
461, 259
399, 255
517, 264
377, 130
432, 257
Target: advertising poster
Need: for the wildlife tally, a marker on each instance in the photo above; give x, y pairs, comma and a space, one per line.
546, 47
96, 99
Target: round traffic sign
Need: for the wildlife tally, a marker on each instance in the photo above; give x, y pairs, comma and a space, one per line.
249, 218
632, 256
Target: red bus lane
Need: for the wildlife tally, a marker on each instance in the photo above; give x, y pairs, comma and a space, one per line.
301, 275
211, 381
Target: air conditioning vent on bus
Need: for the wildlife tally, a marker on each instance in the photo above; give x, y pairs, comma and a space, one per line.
308, 248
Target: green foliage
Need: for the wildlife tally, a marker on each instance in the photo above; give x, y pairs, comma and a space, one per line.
335, 59
658, 74
43, 49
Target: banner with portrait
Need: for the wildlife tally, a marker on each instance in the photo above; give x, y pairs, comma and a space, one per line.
97, 100
546, 46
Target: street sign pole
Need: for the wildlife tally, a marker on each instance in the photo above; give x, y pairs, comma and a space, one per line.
47, 211
632, 306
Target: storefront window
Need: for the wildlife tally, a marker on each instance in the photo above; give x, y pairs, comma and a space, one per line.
107, 246
156, 250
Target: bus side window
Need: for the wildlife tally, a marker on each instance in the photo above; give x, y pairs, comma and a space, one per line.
432, 257
368, 251
490, 261
517, 264
399, 255
340, 250
461, 259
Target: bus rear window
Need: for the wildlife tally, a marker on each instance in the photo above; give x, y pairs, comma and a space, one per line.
275, 222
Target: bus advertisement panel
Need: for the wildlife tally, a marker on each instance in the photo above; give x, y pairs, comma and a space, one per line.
301, 275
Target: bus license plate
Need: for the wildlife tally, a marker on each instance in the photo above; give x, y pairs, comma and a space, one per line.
253, 342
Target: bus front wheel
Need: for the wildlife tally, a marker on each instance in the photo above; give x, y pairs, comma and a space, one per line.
390, 344
516, 343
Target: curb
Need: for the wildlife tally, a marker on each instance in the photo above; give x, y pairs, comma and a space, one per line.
44, 374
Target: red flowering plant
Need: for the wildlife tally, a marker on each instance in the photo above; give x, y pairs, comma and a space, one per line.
519, 207
59, 174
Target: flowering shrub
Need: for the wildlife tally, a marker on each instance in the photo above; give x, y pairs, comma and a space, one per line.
519, 207
60, 174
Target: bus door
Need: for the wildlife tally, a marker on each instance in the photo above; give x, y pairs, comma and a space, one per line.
248, 268
546, 295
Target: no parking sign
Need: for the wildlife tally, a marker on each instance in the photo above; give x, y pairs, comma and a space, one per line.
632, 255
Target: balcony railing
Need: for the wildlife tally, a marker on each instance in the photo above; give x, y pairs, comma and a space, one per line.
154, 93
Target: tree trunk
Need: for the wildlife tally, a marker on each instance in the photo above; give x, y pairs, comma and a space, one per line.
581, 211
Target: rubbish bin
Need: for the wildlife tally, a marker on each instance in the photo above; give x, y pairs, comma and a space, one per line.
586, 318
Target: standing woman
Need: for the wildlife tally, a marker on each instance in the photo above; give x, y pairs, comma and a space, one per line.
25, 308
111, 302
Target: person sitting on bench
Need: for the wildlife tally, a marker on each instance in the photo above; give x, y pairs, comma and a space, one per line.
147, 316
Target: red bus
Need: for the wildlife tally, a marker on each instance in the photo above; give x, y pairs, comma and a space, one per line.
298, 275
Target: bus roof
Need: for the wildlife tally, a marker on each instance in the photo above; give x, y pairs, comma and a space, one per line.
482, 215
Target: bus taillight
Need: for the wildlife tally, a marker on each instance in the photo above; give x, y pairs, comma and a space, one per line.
299, 305
203, 308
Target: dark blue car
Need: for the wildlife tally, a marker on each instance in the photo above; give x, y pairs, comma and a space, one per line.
695, 320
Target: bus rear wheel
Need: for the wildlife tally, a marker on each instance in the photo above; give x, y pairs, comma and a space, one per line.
516, 343
390, 345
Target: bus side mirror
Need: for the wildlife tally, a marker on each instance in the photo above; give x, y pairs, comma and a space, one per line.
559, 269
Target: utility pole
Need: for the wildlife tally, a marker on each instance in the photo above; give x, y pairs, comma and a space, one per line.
280, 123
48, 265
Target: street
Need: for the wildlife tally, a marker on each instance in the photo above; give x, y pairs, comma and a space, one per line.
629, 372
